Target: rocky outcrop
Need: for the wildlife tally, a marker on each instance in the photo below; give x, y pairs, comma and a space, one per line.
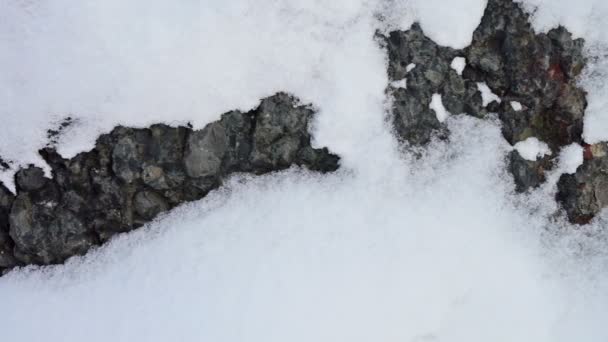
533, 75
533, 79
134, 174
585, 193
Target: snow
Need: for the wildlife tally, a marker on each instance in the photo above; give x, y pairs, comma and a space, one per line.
532, 149
487, 96
437, 105
394, 247
516, 106
570, 158
458, 64
449, 23
423, 249
399, 84
410, 67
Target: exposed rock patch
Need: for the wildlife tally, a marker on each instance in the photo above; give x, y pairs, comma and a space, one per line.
132, 175
585, 193
533, 74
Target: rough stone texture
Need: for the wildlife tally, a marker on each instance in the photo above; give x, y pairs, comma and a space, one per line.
7, 258
133, 175
585, 193
537, 70
526, 173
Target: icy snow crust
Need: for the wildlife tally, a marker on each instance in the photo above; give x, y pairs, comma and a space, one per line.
390, 248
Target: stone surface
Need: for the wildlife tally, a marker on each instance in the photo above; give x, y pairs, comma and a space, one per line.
585, 193
537, 70
526, 173
7, 258
134, 174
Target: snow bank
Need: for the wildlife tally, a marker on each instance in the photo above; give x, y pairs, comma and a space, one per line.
431, 249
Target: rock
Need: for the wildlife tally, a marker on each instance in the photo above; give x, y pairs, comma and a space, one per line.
239, 133
539, 71
7, 259
280, 130
46, 233
128, 153
133, 175
585, 193
30, 179
529, 68
205, 151
148, 204
528, 174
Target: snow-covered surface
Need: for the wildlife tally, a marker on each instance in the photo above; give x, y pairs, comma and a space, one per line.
392, 248
516, 106
571, 157
458, 64
532, 149
437, 105
487, 96
430, 250
410, 67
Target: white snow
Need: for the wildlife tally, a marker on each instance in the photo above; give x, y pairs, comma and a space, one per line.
410, 67
532, 149
399, 84
437, 105
487, 96
570, 158
516, 106
394, 247
418, 251
449, 23
458, 64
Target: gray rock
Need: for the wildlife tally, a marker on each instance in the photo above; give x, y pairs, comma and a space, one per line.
205, 151
239, 132
585, 193
30, 179
128, 155
280, 131
45, 233
149, 204
414, 121
133, 175
528, 174
539, 71
7, 259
